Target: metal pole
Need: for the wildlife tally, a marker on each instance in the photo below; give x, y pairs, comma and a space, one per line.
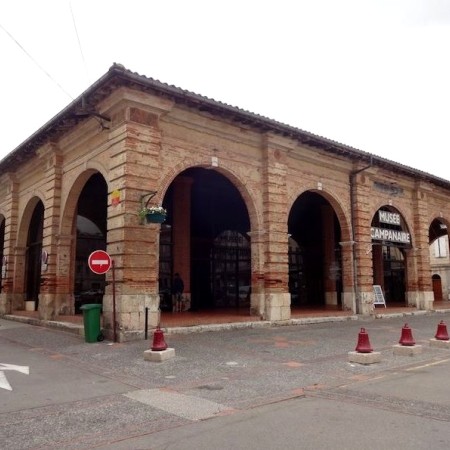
146, 323
114, 299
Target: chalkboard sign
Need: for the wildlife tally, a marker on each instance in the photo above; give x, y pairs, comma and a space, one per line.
379, 297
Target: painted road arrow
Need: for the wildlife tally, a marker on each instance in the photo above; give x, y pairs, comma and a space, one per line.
4, 383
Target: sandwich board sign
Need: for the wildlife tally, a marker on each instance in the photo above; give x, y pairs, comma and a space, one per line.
379, 297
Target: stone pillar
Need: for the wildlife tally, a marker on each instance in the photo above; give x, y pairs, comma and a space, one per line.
9, 297
331, 269
420, 274
276, 263
181, 236
48, 309
65, 248
348, 290
257, 296
363, 244
134, 246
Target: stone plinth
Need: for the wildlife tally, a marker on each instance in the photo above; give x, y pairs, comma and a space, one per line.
407, 350
159, 355
364, 358
439, 343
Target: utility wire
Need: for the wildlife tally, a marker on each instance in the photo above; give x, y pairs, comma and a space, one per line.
79, 42
35, 62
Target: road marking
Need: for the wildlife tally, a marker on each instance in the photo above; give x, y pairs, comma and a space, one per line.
4, 383
430, 364
185, 406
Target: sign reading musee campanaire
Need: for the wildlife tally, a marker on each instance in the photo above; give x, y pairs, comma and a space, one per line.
384, 234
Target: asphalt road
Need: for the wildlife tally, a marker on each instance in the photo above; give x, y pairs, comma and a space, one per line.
262, 388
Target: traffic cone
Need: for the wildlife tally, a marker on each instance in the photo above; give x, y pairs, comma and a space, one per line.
406, 336
441, 332
363, 345
159, 343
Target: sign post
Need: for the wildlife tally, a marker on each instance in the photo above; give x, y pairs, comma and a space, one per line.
100, 262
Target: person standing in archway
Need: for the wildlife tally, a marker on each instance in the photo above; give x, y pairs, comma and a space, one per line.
177, 293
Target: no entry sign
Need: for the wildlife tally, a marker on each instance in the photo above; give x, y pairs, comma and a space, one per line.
99, 262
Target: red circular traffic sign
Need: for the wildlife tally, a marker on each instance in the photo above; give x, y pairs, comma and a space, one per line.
99, 262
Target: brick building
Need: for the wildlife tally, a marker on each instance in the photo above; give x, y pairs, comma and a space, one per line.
262, 217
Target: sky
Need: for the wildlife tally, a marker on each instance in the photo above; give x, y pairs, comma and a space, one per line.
371, 74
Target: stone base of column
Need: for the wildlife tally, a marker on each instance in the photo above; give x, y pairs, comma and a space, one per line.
439, 343
364, 358
348, 301
160, 355
278, 306
407, 350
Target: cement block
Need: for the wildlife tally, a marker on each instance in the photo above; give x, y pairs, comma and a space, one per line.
407, 350
364, 358
160, 355
439, 343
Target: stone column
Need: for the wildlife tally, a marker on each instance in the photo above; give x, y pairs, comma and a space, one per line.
276, 263
134, 246
348, 290
257, 296
419, 283
48, 308
10, 299
363, 244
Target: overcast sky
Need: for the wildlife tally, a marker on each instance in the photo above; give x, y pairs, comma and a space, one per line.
372, 74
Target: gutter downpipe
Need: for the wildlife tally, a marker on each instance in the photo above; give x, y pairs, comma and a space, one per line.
352, 175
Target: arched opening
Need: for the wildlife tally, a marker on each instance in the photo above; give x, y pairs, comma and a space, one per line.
33, 255
91, 223
315, 271
205, 240
439, 259
390, 238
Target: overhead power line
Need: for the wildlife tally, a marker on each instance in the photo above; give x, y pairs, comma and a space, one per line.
79, 42
35, 62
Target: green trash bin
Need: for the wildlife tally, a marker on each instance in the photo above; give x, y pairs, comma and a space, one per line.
91, 320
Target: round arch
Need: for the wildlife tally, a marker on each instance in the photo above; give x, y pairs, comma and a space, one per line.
235, 178
390, 241
83, 230
212, 205
315, 254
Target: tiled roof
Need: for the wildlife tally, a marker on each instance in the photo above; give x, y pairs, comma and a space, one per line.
118, 76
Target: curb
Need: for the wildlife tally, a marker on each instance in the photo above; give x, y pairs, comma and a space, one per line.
79, 329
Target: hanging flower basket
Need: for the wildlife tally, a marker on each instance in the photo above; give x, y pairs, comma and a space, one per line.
153, 214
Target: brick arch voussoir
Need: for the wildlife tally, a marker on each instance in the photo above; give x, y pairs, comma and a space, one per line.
70, 204
25, 217
341, 213
238, 183
398, 208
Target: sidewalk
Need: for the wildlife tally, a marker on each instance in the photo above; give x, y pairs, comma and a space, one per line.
185, 322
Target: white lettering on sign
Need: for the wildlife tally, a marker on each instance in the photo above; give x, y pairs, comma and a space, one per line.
389, 217
382, 234
100, 262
